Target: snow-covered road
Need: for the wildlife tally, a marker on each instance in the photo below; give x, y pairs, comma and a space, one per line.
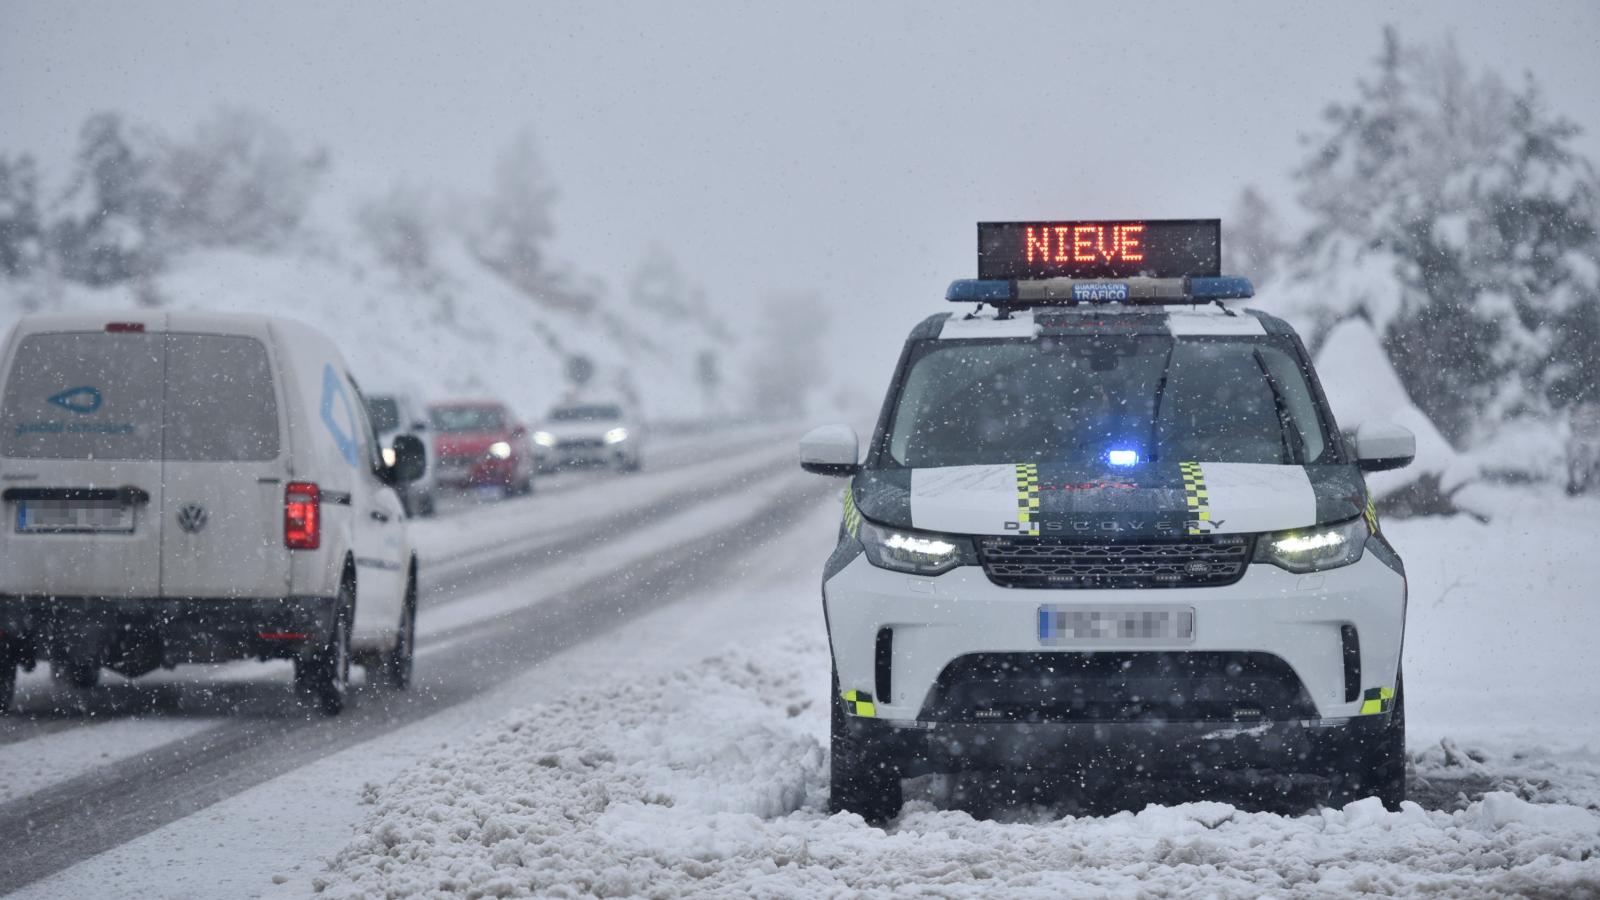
572, 734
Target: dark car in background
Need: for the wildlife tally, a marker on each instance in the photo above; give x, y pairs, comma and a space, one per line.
480, 443
395, 414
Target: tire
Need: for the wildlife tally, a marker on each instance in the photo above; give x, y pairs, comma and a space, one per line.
322, 676
398, 660
861, 781
1372, 762
80, 674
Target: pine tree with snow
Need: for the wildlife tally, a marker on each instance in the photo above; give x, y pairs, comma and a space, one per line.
21, 227
110, 228
1452, 210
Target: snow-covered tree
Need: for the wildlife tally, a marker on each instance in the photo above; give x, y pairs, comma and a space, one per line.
1452, 210
21, 227
238, 181
515, 223
110, 228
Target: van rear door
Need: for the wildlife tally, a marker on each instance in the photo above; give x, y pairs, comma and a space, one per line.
226, 470
80, 464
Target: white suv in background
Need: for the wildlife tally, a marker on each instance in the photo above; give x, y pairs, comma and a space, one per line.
190, 487
590, 434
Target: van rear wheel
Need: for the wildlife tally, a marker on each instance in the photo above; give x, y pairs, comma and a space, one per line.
398, 660
322, 676
76, 673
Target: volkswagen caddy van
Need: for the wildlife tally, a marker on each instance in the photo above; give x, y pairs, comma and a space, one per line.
190, 487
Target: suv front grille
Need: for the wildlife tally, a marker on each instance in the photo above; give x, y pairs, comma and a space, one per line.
1049, 562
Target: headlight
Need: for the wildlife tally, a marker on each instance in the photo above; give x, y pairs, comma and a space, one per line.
1314, 549
917, 552
500, 450
616, 435
544, 439
388, 456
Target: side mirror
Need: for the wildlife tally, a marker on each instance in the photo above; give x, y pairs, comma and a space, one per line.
830, 450
1381, 446
410, 459
419, 426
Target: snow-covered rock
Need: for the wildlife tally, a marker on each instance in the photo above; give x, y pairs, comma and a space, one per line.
1362, 387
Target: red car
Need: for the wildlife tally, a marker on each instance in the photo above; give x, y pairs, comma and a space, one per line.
479, 443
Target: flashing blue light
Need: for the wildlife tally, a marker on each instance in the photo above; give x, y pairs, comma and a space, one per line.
1227, 287
973, 290
1122, 457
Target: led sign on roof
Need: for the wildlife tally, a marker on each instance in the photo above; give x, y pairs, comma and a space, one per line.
1162, 248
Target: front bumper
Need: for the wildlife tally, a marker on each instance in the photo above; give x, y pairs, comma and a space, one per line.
1189, 750
1299, 619
482, 473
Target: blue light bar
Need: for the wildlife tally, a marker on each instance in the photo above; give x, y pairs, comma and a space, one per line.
972, 290
1226, 287
1066, 291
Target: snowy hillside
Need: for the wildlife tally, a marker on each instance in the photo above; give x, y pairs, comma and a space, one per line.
462, 332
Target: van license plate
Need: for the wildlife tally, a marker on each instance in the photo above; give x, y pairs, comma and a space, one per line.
74, 517
1059, 625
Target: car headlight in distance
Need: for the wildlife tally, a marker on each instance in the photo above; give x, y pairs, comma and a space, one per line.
388, 456
500, 450
915, 552
616, 435
1314, 549
544, 439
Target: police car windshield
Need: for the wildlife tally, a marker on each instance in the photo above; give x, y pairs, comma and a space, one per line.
1077, 398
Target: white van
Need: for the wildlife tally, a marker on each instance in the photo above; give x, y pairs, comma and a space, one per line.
195, 487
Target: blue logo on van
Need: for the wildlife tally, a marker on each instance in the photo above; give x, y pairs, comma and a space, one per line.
81, 400
343, 437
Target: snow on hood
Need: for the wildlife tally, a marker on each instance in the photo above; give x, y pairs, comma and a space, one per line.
1166, 499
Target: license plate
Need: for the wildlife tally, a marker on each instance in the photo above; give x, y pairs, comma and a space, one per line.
1088, 625
74, 517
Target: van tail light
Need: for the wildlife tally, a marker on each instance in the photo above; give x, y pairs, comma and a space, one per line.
302, 516
124, 327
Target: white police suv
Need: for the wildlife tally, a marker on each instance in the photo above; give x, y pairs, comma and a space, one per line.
1108, 521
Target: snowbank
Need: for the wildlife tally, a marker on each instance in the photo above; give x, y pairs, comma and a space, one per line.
1362, 387
713, 783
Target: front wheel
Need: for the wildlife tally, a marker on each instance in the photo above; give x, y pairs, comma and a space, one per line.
861, 780
1371, 762
322, 676
8, 678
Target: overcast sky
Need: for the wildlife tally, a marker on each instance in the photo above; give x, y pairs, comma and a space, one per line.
848, 149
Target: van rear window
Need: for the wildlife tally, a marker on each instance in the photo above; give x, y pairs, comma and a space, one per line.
221, 405
84, 396
131, 396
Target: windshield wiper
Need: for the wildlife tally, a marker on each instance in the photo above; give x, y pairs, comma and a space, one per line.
1161, 390
1293, 446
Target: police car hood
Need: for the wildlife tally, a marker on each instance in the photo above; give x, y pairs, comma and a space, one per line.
1162, 499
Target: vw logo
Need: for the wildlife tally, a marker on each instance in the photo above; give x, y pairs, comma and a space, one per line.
192, 517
